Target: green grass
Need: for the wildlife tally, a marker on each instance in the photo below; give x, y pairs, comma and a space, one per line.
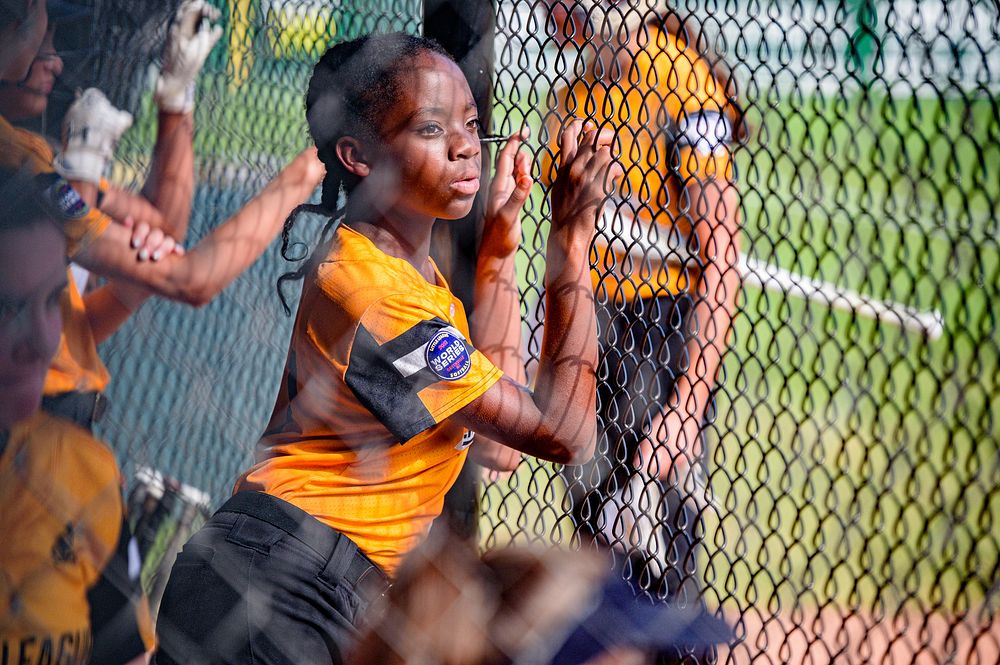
856, 463
876, 450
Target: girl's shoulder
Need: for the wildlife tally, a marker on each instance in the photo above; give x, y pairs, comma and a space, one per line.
355, 275
353, 259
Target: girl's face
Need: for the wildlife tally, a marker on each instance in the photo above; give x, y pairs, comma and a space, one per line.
429, 162
28, 98
32, 278
23, 42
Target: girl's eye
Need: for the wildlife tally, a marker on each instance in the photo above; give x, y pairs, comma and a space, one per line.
8, 310
474, 125
429, 130
54, 298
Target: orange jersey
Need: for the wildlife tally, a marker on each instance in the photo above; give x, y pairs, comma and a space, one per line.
673, 121
360, 437
20, 148
76, 366
61, 513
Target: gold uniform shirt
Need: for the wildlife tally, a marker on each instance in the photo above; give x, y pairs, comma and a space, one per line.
61, 516
76, 366
360, 437
673, 121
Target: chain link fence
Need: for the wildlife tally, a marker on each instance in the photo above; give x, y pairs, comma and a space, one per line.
845, 500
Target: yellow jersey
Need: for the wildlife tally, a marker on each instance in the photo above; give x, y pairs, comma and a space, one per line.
62, 516
76, 365
673, 121
360, 436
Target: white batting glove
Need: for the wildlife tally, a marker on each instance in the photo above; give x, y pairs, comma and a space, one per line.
91, 130
189, 42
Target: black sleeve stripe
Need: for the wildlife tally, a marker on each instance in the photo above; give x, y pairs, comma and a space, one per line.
417, 336
383, 389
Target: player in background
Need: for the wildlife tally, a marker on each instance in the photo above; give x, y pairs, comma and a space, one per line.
143, 258
664, 273
384, 384
69, 587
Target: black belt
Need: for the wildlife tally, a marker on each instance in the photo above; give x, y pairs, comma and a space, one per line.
361, 572
83, 408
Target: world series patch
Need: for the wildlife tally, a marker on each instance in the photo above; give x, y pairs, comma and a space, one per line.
61, 197
447, 355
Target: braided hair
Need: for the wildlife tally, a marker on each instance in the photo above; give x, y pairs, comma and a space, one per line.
352, 87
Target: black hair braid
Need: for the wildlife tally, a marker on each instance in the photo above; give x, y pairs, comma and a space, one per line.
328, 208
352, 87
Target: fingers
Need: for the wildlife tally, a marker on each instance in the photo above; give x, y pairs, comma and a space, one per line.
167, 247
215, 35
590, 152
597, 137
507, 154
569, 140
190, 14
151, 244
140, 232
522, 174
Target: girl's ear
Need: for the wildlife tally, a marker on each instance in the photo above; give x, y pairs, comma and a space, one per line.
351, 153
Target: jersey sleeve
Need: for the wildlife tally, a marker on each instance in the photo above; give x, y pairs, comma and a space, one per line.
702, 121
81, 224
412, 368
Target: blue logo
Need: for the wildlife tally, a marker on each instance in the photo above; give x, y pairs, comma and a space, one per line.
62, 197
447, 355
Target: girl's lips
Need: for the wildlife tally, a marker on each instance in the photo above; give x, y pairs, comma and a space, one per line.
466, 186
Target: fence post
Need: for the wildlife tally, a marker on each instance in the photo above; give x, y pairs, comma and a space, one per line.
466, 30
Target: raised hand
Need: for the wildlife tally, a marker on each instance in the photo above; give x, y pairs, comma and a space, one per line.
508, 193
587, 174
191, 38
91, 130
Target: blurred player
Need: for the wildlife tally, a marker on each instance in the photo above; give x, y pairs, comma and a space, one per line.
69, 588
664, 274
384, 384
144, 258
523, 604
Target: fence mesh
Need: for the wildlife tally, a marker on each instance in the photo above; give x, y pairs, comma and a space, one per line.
848, 502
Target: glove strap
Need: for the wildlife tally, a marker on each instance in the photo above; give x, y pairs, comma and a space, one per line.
80, 164
171, 99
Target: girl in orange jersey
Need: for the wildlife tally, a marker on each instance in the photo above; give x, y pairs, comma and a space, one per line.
384, 385
70, 593
77, 379
666, 279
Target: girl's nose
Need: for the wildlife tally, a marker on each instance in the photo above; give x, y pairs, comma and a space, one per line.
465, 146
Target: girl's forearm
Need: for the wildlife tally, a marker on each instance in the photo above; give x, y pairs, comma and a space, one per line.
566, 385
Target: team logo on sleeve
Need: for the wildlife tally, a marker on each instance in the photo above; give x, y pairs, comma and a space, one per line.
447, 354
61, 197
467, 440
